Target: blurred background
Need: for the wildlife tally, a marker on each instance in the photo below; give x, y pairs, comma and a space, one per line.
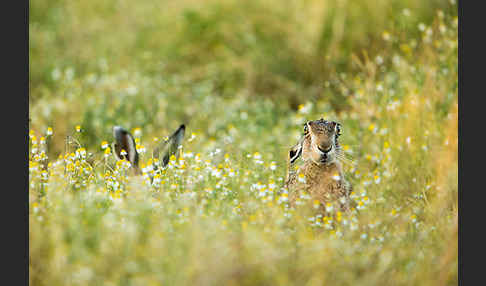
152, 64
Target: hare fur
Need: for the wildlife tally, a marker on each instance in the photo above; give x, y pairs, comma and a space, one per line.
321, 174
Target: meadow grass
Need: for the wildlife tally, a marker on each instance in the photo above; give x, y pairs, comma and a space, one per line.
218, 215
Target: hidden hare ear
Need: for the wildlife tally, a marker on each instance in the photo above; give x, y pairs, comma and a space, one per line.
124, 146
170, 147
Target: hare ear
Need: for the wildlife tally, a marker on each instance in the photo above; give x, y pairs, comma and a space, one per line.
337, 128
295, 151
170, 146
124, 142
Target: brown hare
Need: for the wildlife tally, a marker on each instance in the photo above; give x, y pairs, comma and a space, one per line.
321, 174
125, 148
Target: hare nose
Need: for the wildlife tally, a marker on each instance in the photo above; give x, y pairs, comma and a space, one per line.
324, 149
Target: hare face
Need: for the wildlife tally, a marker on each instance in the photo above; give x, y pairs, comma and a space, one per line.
320, 141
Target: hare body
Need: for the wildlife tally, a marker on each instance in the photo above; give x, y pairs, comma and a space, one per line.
321, 174
324, 183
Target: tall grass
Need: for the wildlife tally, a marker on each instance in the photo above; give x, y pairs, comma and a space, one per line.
244, 78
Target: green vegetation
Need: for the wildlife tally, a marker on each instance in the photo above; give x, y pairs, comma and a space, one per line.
244, 76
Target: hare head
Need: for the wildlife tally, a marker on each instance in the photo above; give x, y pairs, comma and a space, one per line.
125, 148
319, 143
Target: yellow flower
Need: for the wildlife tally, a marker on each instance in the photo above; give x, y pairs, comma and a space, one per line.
49, 131
140, 148
78, 128
405, 48
104, 144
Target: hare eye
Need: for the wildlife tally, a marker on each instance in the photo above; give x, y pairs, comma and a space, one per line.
306, 129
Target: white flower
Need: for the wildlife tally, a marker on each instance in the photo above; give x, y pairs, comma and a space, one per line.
56, 74
257, 156
137, 132
305, 109
379, 60
421, 27
69, 73
329, 207
301, 178
140, 149
273, 166
131, 90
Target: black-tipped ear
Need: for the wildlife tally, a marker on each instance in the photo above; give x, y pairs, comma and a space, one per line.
337, 128
295, 152
124, 146
170, 147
